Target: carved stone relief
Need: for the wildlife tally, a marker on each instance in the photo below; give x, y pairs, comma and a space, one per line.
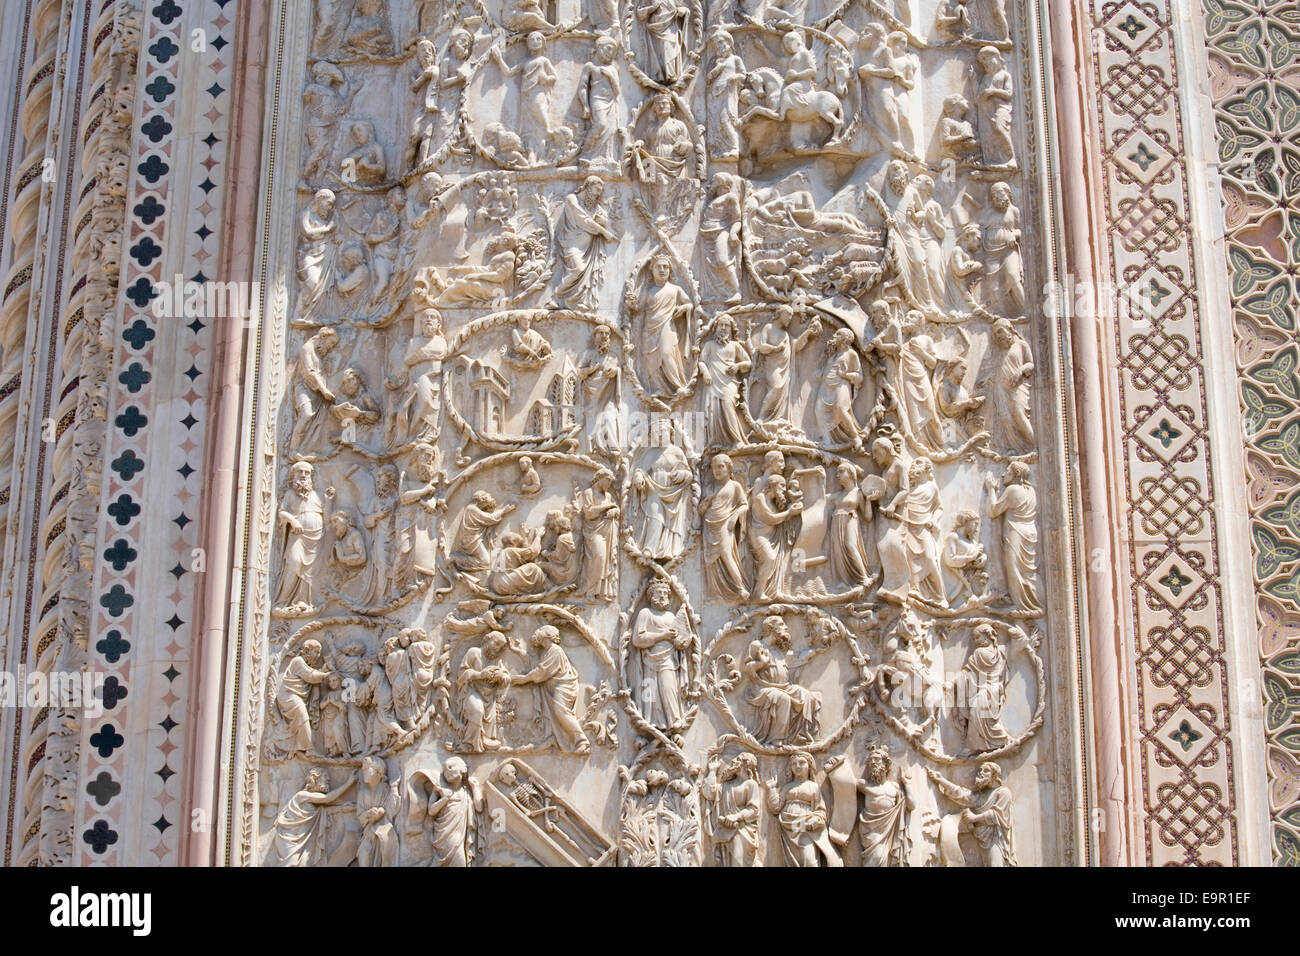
665, 408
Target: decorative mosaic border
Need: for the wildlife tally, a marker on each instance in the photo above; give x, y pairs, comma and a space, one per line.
1189, 812
142, 632
1254, 55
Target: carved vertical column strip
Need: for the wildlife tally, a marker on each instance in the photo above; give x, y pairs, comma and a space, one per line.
220, 597
50, 401
86, 326
251, 601
28, 126
16, 253
1105, 695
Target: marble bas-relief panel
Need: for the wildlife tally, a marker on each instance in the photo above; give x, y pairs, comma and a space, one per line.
666, 457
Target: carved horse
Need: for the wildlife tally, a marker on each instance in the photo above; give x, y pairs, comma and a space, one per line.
769, 112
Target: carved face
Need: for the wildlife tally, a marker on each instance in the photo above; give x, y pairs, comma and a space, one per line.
341, 523
877, 765
800, 766
897, 177
846, 476
535, 42
300, 479
432, 323
793, 42
460, 44
601, 336
1000, 196
745, 765
663, 107
495, 645
721, 468
605, 50
426, 462
882, 452
984, 777
311, 652
841, 340
776, 633
725, 330
661, 270
454, 772
430, 183
659, 597
1003, 336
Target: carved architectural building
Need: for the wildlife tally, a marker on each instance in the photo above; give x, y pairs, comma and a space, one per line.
650, 432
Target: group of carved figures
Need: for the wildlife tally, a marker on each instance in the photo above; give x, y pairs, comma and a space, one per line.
359, 234
440, 816
350, 702
812, 830
882, 529
845, 359
362, 703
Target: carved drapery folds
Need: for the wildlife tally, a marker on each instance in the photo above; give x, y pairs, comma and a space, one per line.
663, 408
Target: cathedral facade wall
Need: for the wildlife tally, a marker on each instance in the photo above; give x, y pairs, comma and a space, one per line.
650, 434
